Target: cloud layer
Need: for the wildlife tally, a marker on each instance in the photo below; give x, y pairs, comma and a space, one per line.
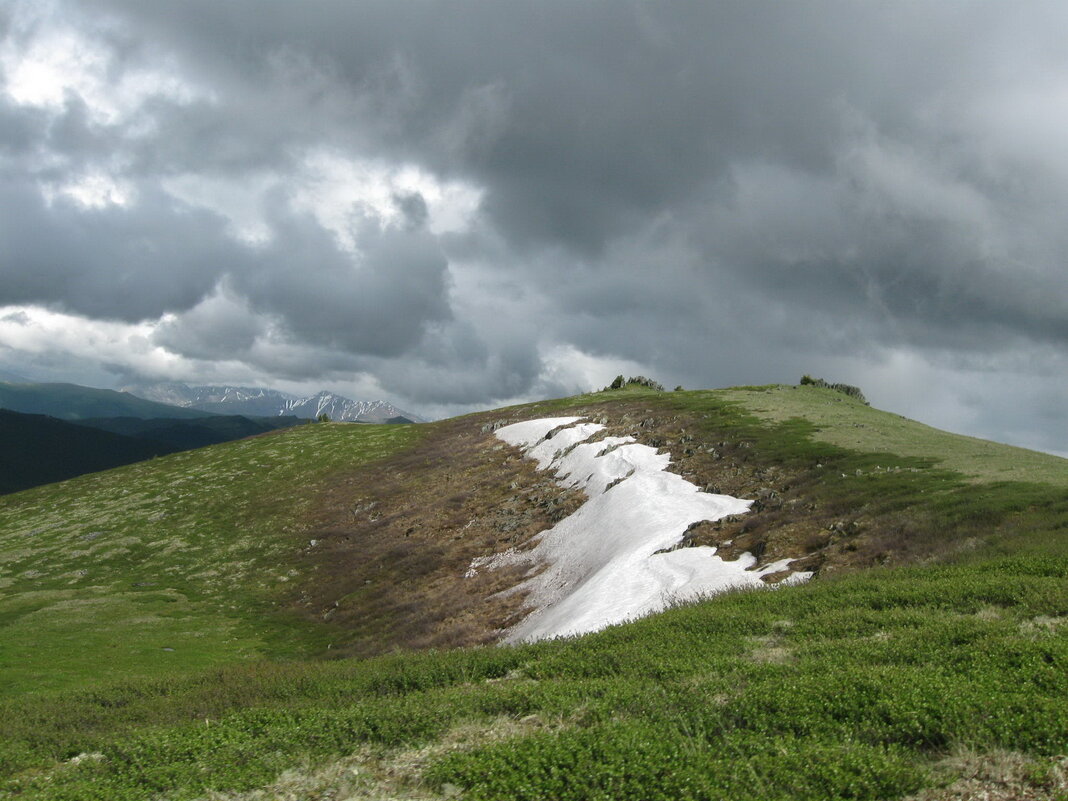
465, 203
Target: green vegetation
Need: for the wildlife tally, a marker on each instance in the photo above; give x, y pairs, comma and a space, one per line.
845, 389
635, 382
847, 424
167, 564
862, 685
850, 688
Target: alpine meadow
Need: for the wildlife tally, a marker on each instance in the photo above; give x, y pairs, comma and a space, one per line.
537, 400
287, 616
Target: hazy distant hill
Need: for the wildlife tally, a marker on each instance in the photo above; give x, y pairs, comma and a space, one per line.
35, 449
51, 432
270, 402
196, 433
74, 402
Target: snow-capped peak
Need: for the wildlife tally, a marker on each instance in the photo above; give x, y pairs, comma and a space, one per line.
269, 402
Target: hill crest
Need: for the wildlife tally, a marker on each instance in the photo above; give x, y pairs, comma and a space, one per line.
161, 596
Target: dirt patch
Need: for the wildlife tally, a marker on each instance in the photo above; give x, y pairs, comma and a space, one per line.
999, 776
377, 774
391, 544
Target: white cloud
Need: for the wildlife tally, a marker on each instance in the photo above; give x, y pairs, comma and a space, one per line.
38, 330
238, 198
575, 371
340, 191
47, 59
93, 190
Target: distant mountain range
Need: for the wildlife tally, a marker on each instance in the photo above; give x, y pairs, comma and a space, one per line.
35, 449
270, 402
38, 449
51, 432
74, 402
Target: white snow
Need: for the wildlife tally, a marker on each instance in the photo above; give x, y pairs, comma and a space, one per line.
532, 431
600, 564
546, 451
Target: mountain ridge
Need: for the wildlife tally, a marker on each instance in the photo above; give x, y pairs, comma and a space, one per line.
279, 615
74, 402
36, 449
260, 401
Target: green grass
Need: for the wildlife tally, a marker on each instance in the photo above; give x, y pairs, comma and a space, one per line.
168, 564
843, 689
858, 686
842, 421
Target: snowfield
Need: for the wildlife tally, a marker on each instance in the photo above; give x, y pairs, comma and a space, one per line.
606, 563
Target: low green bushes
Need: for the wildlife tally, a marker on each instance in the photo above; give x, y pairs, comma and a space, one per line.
839, 689
846, 389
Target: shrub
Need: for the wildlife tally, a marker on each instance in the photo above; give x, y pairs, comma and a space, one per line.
847, 389
636, 380
642, 381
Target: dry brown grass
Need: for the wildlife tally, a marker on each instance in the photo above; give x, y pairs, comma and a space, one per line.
394, 542
998, 776
372, 774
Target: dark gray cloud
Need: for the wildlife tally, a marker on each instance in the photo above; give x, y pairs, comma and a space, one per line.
712, 192
377, 302
112, 262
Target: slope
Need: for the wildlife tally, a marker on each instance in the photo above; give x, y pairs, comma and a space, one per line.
929, 648
170, 563
390, 553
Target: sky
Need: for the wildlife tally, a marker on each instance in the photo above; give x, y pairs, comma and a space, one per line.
457, 205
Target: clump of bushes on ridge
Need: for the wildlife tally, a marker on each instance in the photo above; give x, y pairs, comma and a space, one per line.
636, 380
848, 389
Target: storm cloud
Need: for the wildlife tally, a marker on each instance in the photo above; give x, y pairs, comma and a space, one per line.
460, 204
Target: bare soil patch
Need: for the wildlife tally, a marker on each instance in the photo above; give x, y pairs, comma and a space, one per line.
391, 543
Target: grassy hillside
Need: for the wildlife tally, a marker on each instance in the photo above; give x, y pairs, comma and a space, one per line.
928, 658
171, 563
840, 421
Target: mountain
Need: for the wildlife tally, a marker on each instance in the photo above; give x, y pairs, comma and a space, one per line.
267, 402
36, 449
73, 402
218, 399
300, 615
343, 410
12, 377
195, 433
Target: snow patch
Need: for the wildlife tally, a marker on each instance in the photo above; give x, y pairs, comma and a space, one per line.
532, 432
608, 561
